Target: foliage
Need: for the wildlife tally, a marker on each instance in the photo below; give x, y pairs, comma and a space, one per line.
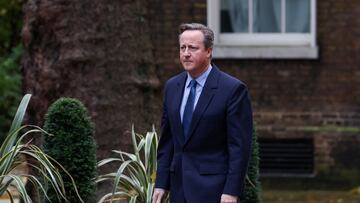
12, 154
135, 178
73, 146
10, 54
252, 193
10, 89
10, 24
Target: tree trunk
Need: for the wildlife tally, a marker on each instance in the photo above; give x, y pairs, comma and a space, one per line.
99, 52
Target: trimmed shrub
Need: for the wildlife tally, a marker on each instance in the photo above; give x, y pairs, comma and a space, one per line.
252, 193
72, 145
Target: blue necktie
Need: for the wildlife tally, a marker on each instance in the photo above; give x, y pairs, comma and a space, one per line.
189, 107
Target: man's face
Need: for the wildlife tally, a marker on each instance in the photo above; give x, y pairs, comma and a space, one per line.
193, 55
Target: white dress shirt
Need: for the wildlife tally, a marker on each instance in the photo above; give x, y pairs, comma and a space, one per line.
199, 87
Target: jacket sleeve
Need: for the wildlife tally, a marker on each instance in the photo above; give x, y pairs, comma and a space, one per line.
239, 133
165, 150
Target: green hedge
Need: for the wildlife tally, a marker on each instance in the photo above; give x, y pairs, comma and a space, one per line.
73, 146
252, 192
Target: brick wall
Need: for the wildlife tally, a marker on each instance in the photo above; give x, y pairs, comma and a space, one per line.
290, 98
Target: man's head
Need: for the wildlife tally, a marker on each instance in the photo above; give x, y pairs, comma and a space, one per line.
196, 42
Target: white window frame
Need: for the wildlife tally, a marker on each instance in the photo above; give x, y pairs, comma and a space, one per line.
262, 45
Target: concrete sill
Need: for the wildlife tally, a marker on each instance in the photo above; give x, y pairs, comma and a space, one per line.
242, 52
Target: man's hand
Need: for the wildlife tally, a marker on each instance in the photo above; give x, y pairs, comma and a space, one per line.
158, 195
228, 198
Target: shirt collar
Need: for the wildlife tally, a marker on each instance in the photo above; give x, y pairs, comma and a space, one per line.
201, 79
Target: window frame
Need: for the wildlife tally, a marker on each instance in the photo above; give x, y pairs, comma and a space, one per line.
262, 45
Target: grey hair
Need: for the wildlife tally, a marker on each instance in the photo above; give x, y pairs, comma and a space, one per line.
208, 33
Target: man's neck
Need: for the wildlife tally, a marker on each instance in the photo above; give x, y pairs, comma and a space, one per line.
194, 75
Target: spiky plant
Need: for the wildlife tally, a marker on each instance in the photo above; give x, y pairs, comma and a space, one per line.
135, 178
12, 155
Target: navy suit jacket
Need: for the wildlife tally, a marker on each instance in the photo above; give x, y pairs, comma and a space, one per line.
213, 159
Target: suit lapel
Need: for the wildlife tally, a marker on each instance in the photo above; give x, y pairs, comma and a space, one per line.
204, 99
178, 94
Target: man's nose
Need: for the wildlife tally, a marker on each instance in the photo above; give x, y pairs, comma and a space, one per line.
187, 52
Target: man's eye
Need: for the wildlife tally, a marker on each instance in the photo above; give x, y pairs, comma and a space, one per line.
193, 48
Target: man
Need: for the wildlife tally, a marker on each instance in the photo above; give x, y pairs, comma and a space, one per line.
206, 128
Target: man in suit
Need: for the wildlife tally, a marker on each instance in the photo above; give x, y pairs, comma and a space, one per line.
206, 128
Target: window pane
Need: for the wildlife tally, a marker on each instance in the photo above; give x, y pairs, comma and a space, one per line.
234, 16
267, 16
298, 16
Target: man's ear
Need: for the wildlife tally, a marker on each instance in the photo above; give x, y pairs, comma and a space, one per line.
209, 52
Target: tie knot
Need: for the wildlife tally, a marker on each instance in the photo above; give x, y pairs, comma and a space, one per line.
193, 83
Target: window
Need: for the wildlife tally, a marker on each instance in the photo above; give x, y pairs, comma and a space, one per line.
263, 28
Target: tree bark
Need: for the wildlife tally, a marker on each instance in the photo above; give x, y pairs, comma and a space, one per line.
99, 52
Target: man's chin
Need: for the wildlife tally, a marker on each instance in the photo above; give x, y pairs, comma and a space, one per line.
188, 68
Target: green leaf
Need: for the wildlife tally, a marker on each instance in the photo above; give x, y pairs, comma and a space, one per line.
15, 126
